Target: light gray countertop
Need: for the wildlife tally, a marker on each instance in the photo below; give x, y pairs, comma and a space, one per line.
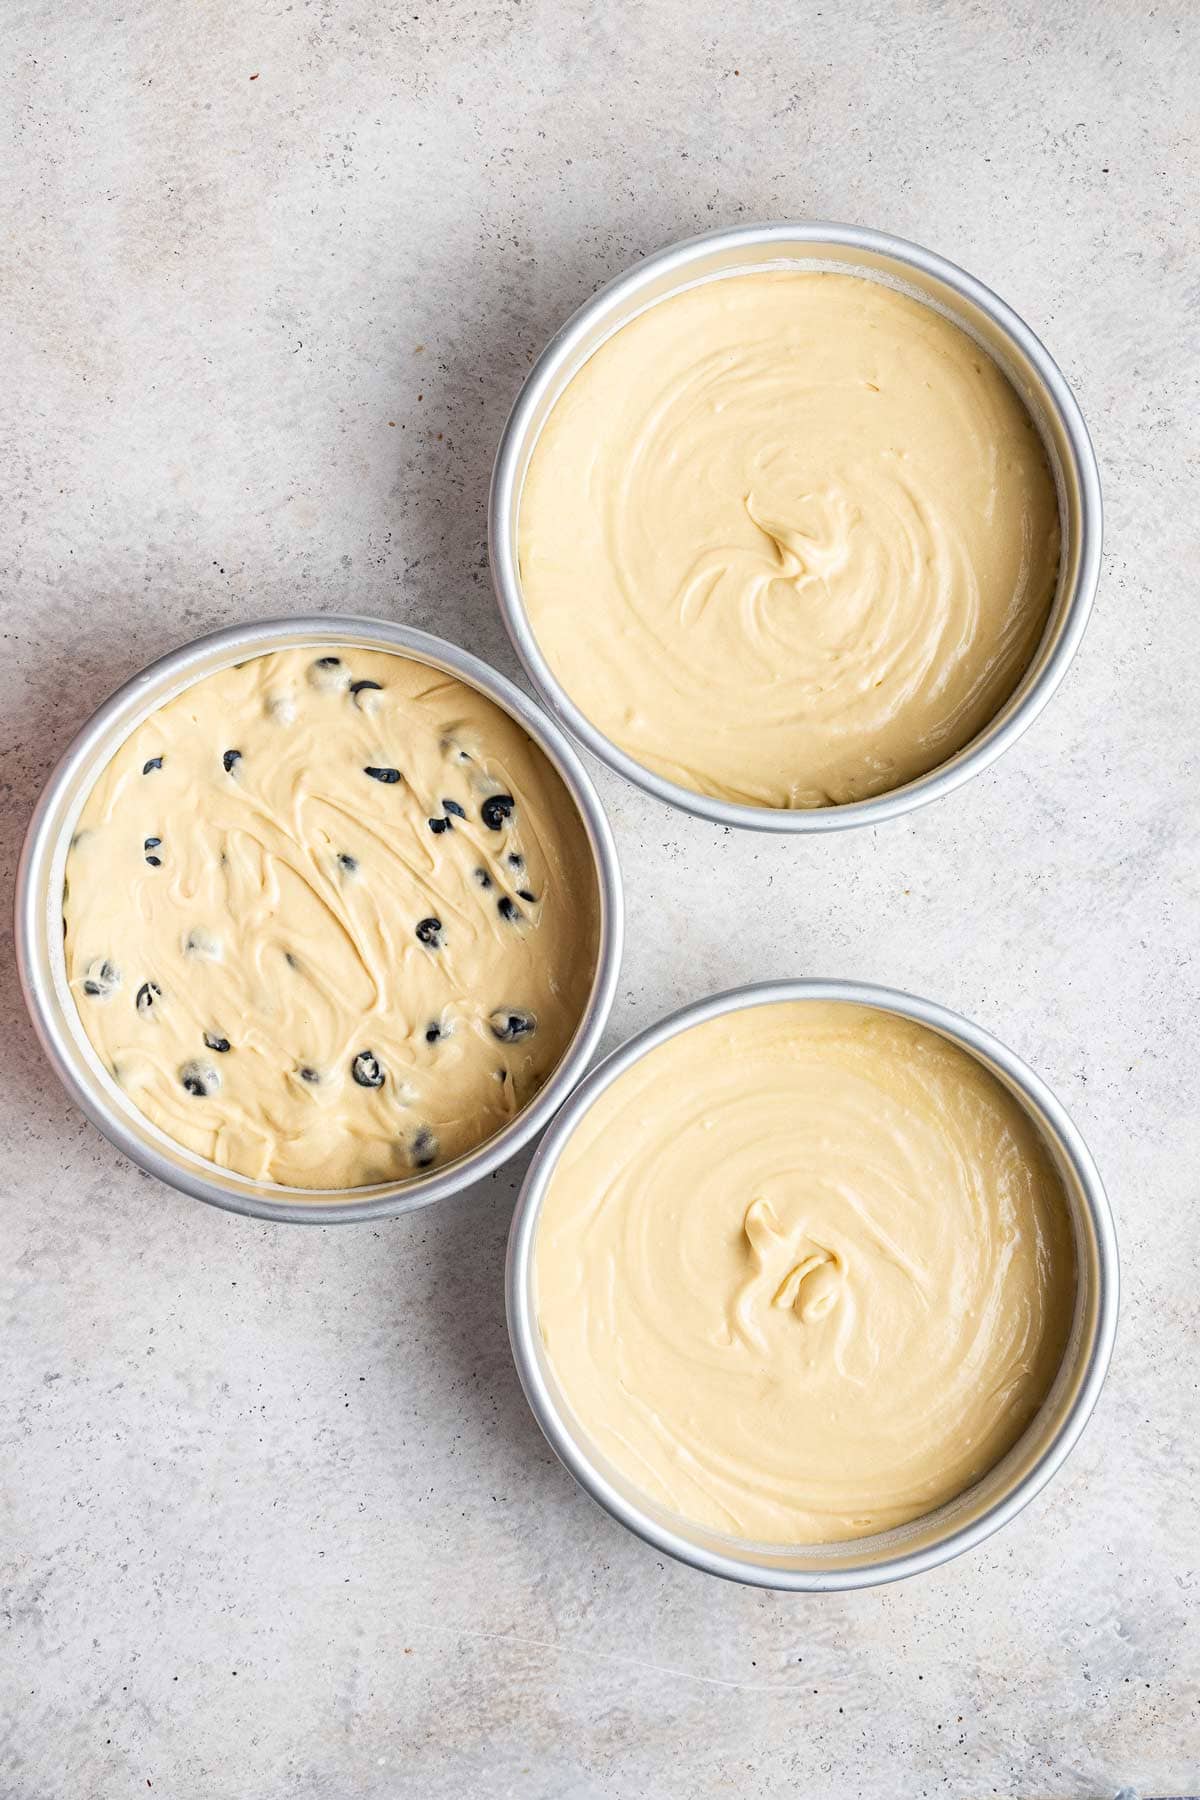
278, 1522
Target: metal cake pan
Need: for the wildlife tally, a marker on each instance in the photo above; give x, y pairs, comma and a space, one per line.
849, 249
962, 1523
39, 930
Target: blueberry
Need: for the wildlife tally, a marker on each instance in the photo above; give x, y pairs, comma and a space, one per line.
153, 762
511, 1023
348, 863
101, 979
366, 1070
452, 806
424, 1148
437, 826
149, 845
483, 878
328, 674
515, 860
430, 932
433, 1032
200, 1079
229, 758
213, 1041
361, 687
495, 809
506, 908
146, 996
524, 894
306, 1072
386, 775
199, 942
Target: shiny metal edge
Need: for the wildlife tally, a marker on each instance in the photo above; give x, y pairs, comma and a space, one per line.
1093, 1355
1018, 713
138, 696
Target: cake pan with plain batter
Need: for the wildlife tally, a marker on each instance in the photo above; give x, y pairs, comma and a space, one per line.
847, 249
39, 922
937, 1536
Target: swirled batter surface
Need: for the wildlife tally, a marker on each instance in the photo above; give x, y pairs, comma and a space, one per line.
789, 539
331, 918
805, 1272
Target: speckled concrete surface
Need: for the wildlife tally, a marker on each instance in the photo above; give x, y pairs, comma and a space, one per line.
277, 1521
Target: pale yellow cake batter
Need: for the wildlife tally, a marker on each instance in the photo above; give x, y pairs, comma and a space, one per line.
331, 918
805, 1272
789, 539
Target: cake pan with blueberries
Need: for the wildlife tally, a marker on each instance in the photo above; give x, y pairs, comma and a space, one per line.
319, 919
796, 526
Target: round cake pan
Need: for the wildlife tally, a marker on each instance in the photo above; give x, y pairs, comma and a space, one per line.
961, 1523
849, 249
39, 926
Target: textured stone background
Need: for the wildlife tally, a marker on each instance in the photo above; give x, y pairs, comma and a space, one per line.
277, 1521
